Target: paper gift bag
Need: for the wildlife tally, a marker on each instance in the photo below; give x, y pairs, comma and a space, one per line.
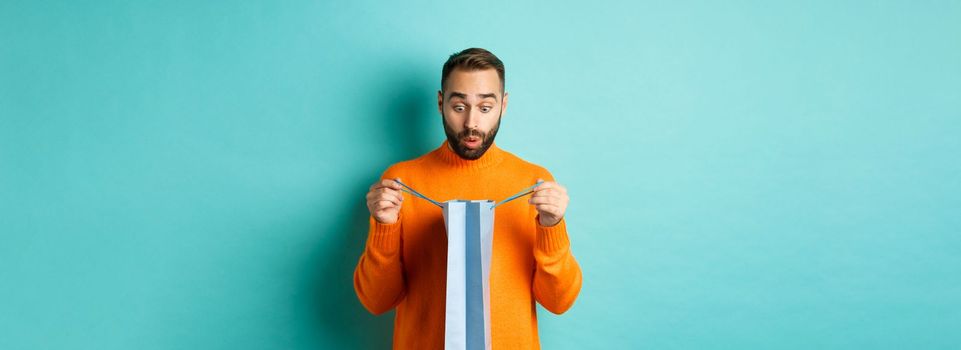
470, 237
470, 233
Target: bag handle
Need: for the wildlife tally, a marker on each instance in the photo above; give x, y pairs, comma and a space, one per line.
415, 193
520, 194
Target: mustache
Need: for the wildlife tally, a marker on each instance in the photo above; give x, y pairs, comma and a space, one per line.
472, 132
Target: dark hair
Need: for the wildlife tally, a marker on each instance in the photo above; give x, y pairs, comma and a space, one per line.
472, 59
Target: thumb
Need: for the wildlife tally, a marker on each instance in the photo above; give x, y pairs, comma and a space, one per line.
540, 182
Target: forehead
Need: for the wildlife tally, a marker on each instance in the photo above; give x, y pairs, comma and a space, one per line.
473, 82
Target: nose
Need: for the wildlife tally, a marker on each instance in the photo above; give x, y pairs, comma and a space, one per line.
472, 120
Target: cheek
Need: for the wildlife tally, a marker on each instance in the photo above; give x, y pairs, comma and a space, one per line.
489, 124
453, 122
453, 116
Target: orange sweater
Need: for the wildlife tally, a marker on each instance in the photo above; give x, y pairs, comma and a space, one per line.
404, 265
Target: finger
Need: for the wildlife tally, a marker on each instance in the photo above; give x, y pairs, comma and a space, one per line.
395, 194
543, 200
549, 209
395, 184
389, 190
560, 197
386, 197
557, 189
546, 192
385, 183
557, 201
541, 194
552, 199
377, 194
378, 205
382, 205
544, 186
551, 185
393, 197
388, 183
540, 183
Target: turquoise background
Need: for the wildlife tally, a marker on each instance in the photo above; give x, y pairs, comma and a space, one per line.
743, 175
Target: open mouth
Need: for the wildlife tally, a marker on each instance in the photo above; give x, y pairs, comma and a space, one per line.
472, 142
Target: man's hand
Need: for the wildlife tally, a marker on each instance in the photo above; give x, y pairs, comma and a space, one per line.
384, 200
550, 199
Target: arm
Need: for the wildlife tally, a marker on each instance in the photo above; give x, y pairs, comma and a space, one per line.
557, 276
379, 276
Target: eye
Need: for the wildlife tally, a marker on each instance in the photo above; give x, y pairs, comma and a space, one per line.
485, 109
459, 108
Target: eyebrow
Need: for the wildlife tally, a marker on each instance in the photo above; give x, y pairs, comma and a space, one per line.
463, 95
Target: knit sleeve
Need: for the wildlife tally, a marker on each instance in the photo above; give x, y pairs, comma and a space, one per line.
557, 276
379, 275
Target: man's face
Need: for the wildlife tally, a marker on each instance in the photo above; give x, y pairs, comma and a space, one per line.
471, 108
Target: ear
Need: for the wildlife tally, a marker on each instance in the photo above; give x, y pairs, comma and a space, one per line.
504, 105
440, 102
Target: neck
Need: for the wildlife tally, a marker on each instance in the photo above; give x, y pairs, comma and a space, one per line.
491, 157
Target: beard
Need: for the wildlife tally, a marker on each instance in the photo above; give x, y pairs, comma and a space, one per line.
454, 139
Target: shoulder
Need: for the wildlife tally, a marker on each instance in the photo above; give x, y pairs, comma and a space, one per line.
526, 167
403, 168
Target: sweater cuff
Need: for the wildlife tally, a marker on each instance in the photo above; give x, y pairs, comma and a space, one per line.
384, 238
551, 239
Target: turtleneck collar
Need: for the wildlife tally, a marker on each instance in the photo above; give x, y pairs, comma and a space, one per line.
492, 157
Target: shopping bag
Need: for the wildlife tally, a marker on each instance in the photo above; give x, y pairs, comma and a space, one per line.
470, 235
470, 226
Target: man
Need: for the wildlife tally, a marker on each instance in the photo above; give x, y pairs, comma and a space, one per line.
404, 262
